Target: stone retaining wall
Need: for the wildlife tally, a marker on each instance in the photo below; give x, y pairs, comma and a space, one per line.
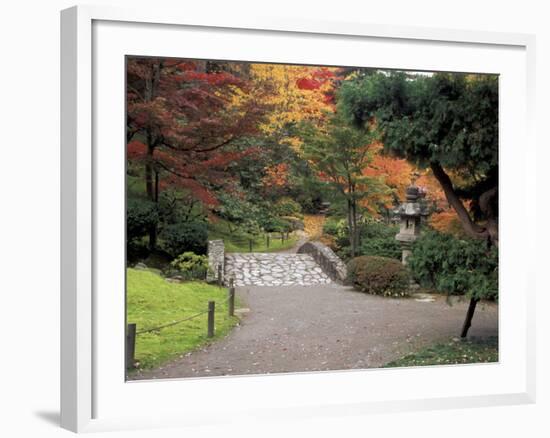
216, 257
330, 263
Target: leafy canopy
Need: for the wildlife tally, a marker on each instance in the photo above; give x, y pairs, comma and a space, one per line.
451, 119
340, 153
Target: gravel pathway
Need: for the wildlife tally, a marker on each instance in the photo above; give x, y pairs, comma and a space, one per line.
324, 327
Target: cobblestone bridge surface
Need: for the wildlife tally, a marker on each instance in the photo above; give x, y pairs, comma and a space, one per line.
276, 269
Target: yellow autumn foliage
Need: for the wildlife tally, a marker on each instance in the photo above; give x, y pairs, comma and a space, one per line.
277, 86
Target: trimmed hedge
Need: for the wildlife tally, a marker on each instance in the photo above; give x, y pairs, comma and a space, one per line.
184, 237
379, 276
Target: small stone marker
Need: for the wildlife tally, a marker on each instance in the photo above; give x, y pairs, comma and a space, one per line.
423, 298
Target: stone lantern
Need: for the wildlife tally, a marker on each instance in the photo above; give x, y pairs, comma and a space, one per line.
410, 215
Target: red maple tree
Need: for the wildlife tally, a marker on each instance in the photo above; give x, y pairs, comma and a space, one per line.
182, 123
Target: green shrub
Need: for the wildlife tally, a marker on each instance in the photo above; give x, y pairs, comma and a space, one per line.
382, 246
295, 223
309, 192
190, 266
177, 206
374, 230
379, 276
338, 228
239, 211
272, 224
287, 207
140, 216
330, 226
456, 266
136, 251
378, 239
184, 237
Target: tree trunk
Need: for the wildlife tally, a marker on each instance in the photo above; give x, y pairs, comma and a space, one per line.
149, 181
357, 230
470, 227
351, 229
469, 316
150, 186
156, 186
355, 227
149, 167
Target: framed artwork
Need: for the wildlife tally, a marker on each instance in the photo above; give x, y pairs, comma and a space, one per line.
261, 208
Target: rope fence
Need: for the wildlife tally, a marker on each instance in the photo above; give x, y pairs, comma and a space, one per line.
261, 241
160, 327
132, 332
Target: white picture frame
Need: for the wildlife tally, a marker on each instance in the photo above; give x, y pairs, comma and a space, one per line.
94, 395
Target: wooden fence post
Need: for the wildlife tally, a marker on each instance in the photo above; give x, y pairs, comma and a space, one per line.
211, 310
250, 245
282, 237
231, 300
220, 280
130, 345
267, 240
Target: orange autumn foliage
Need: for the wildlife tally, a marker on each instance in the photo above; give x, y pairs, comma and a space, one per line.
394, 173
276, 176
444, 219
313, 225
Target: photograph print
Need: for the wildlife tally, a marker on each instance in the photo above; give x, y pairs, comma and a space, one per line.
305, 218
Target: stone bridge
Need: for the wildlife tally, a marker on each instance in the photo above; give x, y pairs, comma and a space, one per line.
307, 264
274, 269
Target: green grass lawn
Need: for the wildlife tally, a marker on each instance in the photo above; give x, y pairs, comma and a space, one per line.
237, 241
452, 352
152, 302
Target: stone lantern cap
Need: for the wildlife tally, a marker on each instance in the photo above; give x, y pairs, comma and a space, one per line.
411, 207
412, 193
